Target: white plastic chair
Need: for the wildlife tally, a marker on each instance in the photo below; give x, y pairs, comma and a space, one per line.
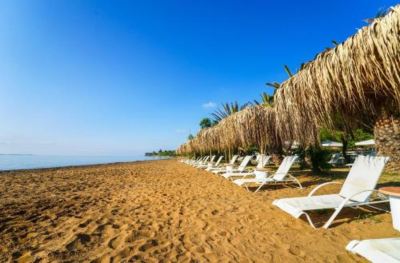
210, 163
262, 162
377, 250
230, 171
202, 161
356, 191
205, 164
280, 176
223, 169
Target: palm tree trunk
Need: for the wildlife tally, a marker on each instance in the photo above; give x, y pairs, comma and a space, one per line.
344, 149
387, 140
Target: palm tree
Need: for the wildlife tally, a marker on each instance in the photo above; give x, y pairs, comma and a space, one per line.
288, 71
266, 100
206, 123
335, 43
227, 109
381, 13
277, 85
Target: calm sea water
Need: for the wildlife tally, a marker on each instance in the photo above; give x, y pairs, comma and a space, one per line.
15, 162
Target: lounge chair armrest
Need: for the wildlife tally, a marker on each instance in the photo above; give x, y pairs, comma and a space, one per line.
291, 176
343, 204
361, 192
320, 186
295, 180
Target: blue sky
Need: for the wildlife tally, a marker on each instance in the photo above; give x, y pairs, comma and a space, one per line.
124, 77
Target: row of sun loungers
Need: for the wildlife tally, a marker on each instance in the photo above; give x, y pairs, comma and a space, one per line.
357, 190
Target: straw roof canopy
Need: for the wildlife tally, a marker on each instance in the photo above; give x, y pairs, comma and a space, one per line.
253, 126
356, 79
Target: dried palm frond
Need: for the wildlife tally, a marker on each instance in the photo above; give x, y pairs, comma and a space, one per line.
355, 79
253, 126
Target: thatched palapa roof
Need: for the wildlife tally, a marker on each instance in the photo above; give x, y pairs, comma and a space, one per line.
355, 79
253, 126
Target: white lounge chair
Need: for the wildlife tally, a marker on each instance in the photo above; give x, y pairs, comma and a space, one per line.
205, 164
202, 161
212, 165
223, 169
280, 176
356, 191
336, 160
258, 156
189, 161
385, 250
217, 166
230, 171
198, 160
208, 159
262, 162
184, 160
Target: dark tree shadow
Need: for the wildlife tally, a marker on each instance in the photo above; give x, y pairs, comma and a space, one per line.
278, 186
391, 183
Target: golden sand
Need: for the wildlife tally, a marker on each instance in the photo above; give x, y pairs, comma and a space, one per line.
164, 211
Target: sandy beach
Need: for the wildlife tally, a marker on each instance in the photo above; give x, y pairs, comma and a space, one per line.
165, 211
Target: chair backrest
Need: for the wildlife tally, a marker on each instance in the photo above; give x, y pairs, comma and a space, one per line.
206, 158
262, 160
260, 175
334, 158
197, 160
233, 160
284, 167
213, 158
219, 160
244, 163
363, 175
200, 160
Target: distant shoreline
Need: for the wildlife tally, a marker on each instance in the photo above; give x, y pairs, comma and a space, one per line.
18, 154
77, 166
35, 162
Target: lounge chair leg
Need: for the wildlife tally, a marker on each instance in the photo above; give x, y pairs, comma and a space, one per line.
333, 216
309, 220
259, 187
294, 179
298, 182
378, 208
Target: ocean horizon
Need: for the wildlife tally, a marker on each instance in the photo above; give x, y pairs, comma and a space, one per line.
33, 161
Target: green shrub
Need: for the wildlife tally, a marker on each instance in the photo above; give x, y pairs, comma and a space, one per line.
319, 158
